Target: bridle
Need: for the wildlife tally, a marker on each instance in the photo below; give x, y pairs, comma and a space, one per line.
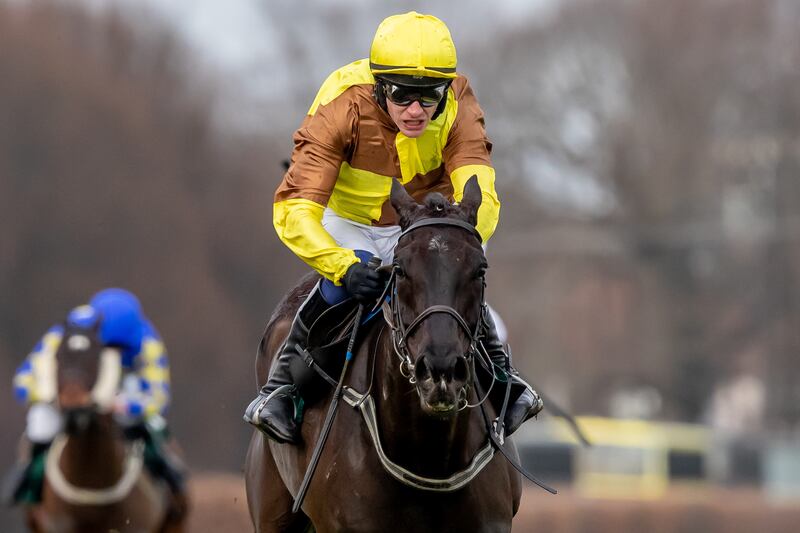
400, 332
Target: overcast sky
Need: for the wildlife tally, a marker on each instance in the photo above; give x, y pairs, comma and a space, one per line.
235, 35
237, 38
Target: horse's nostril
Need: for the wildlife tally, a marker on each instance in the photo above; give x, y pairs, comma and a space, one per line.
461, 369
421, 370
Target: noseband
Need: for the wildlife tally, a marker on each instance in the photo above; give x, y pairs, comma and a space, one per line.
400, 332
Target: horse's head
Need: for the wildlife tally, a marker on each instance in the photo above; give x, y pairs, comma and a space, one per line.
87, 376
439, 269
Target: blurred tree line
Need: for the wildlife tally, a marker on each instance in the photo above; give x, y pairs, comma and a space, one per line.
659, 144
112, 174
646, 152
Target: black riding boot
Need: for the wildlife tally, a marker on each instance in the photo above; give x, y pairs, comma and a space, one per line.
161, 455
523, 401
23, 483
273, 411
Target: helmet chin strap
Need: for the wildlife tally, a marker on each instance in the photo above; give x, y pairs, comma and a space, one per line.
379, 94
442, 104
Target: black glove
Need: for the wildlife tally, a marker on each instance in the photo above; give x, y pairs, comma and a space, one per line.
363, 282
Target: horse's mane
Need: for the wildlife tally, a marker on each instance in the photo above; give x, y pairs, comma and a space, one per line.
288, 305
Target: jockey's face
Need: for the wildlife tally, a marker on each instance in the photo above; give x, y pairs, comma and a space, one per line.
411, 119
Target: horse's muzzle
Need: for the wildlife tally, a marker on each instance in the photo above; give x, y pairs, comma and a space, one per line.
440, 383
78, 419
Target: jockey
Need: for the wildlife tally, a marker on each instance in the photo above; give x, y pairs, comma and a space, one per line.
139, 405
405, 112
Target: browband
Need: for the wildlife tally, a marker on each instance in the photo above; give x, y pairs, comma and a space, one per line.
442, 222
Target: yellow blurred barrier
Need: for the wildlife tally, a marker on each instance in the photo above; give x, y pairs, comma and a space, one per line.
629, 458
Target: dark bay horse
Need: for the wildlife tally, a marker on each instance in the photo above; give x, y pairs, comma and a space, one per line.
414, 455
94, 478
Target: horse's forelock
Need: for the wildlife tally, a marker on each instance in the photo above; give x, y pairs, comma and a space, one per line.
435, 205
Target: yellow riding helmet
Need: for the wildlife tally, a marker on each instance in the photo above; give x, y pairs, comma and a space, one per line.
413, 44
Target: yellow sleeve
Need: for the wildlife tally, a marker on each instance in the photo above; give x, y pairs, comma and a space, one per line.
489, 211
298, 223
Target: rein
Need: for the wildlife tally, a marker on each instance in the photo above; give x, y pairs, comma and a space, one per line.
399, 335
75, 495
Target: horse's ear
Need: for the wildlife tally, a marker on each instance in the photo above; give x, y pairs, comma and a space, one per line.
403, 203
471, 200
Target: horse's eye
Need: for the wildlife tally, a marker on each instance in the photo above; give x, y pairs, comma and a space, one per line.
481, 272
399, 272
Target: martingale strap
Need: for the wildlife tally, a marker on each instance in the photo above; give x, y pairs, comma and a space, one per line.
366, 405
83, 496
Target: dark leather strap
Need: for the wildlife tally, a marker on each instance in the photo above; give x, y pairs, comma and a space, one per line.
442, 222
499, 446
309, 360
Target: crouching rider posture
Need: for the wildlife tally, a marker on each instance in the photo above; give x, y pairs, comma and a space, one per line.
138, 407
403, 113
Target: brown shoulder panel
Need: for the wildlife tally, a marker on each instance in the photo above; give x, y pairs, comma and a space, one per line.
467, 143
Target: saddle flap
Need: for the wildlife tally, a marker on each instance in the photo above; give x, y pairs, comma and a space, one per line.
325, 350
327, 345
332, 325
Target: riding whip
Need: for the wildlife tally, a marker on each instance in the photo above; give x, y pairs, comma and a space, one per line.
373, 263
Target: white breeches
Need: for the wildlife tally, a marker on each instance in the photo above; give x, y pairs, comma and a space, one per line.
43, 423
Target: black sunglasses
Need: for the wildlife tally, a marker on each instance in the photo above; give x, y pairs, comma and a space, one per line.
404, 95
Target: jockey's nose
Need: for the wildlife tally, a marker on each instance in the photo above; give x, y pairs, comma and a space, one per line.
415, 109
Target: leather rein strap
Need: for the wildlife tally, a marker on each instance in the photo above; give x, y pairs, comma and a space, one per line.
365, 404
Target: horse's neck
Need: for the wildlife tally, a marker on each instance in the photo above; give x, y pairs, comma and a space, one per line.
94, 458
418, 441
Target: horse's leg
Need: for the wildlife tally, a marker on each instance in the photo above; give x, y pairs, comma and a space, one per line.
268, 500
173, 526
31, 520
176, 513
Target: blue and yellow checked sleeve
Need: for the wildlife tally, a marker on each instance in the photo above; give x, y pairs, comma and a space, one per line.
33, 381
151, 394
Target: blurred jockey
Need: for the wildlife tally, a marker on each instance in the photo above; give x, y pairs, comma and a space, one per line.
139, 405
403, 113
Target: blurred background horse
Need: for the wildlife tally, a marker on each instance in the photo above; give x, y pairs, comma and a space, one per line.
94, 477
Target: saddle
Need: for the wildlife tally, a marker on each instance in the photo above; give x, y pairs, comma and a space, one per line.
324, 354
